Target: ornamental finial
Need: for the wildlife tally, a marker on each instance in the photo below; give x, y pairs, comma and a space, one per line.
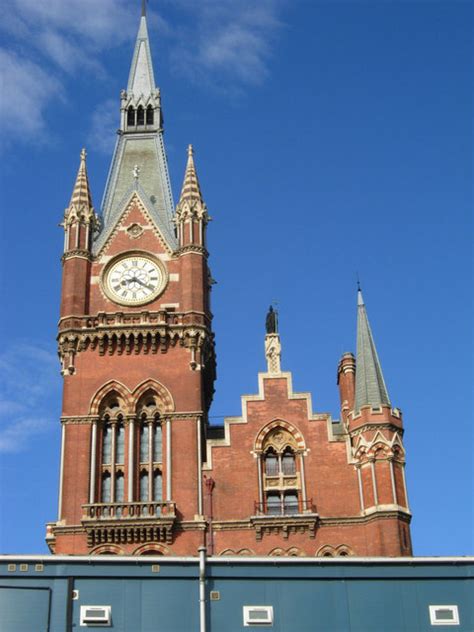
144, 8
136, 172
83, 154
190, 151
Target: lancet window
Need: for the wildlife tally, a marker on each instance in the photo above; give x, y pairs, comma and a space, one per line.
282, 478
140, 116
131, 117
127, 453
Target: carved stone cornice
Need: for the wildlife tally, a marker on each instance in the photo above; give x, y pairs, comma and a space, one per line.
376, 515
199, 250
284, 525
368, 427
136, 333
80, 253
79, 420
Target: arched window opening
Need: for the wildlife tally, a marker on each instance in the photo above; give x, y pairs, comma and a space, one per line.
107, 444
282, 490
327, 554
131, 117
144, 486
144, 443
105, 491
290, 503
119, 487
344, 554
288, 464
140, 116
271, 463
273, 504
120, 445
149, 115
157, 487
157, 444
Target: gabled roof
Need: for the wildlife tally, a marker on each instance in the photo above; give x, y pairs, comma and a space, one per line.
370, 386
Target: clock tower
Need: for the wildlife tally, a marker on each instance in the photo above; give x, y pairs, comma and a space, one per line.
136, 345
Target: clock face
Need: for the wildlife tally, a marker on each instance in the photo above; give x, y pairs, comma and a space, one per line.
134, 279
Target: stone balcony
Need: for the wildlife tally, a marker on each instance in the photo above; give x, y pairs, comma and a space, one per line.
121, 523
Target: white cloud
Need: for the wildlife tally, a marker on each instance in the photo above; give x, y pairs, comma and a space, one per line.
220, 43
226, 41
25, 92
105, 120
29, 387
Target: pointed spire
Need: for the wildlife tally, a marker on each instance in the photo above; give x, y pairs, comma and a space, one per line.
370, 386
141, 80
81, 195
191, 189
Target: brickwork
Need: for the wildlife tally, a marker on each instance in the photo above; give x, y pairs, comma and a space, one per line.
142, 471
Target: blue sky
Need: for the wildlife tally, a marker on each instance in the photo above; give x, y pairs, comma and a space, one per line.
331, 138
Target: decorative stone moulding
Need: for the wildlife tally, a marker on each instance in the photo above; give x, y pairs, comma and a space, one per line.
134, 231
284, 525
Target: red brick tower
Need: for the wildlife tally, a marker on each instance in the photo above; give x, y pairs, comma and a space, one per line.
142, 472
136, 346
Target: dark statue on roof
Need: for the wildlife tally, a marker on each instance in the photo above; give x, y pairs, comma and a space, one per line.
271, 323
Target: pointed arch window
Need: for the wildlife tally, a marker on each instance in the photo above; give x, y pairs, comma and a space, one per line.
144, 487
157, 486
107, 444
144, 444
150, 115
282, 486
131, 117
157, 444
119, 487
140, 116
106, 487
120, 444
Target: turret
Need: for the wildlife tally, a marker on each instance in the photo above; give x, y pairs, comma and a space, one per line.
376, 431
80, 222
191, 213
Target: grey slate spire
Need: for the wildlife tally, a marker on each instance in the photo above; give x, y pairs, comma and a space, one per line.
369, 383
140, 143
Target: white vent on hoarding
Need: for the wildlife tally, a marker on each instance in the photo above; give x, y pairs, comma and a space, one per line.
444, 615
258, 615
96, 615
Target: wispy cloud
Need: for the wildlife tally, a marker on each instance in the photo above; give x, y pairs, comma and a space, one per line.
226, 43
48, 42
104, 125
29, 385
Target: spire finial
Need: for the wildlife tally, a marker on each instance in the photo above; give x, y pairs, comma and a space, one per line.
83, 154
144, 8
190, 151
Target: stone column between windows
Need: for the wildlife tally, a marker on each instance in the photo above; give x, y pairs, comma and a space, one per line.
150, 460
303, 482
361, 489
260, 485
168, 459
131, 459
374, 482
392, 479
112, 461
61, 471
93, 464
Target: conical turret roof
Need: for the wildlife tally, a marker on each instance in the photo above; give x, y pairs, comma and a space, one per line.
370, 386
81, 195
191, 189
